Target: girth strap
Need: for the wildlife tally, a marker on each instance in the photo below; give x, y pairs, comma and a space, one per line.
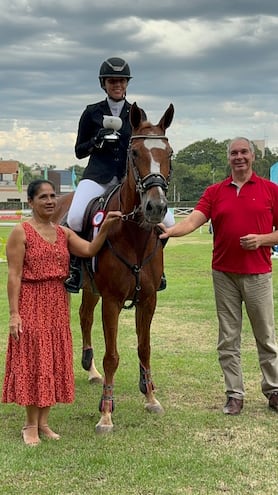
135, 270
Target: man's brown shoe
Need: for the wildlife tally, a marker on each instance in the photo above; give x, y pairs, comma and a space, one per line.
273, 401
233, 406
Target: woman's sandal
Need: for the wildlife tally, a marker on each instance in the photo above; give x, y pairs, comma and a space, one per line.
48, 433
30, 440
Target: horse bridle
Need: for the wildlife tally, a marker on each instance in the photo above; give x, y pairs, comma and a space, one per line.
143, 184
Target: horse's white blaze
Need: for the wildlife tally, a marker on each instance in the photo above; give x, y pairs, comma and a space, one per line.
155, 167
154, 143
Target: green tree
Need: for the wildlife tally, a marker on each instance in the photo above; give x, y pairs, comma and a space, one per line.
205, 162
197, 166
262, 165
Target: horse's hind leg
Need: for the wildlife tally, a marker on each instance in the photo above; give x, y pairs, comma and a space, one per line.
144, 314
86, 314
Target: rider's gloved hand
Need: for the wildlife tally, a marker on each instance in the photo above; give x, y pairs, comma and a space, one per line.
98, 139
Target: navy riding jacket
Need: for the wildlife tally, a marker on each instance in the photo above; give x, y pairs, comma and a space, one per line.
109, 160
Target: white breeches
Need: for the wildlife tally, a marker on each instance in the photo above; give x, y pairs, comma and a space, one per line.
87, 190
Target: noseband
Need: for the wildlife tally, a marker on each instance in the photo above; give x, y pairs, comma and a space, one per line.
143, 184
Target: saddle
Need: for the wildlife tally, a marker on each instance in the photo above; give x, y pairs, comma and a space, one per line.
93, 207
89, 230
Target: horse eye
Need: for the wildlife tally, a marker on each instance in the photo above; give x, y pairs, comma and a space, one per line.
135, 153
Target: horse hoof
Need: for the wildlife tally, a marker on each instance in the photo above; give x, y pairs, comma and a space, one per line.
154, 408
96, 380
103, 429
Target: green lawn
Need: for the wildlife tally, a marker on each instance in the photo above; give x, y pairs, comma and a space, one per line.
193, 448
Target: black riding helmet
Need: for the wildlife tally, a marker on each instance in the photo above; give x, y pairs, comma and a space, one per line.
114, 67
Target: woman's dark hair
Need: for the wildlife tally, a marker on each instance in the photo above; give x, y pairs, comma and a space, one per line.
34, 186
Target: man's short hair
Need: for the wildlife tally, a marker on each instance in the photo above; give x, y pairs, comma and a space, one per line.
240, 138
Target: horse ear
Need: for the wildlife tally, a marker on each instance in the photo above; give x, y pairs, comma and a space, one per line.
167, 118
135, 116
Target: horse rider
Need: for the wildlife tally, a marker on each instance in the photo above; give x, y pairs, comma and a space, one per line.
107, 154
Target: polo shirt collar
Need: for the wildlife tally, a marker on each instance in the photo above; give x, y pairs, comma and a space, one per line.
230, 181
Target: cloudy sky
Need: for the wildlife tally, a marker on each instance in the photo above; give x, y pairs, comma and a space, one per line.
215, 61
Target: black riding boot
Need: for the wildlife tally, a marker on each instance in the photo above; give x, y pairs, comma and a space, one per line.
163, 281
74, 281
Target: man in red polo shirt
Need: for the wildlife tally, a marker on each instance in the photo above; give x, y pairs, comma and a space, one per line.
243, 210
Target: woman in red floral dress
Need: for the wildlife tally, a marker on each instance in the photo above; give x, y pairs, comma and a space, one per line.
39, 364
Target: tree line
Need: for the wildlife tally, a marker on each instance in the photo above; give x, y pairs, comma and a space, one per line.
194, 168
205, 162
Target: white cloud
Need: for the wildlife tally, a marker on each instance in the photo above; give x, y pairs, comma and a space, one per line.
216, 62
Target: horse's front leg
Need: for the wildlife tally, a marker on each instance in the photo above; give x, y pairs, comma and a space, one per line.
110, 318
86, 315
144, 315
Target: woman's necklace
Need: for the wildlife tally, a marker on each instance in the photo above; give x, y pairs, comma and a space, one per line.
46, 230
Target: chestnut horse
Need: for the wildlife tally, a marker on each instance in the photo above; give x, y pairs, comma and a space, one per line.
130, 265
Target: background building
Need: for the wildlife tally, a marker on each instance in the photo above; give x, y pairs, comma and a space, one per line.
9, 193
13, 193
260, 143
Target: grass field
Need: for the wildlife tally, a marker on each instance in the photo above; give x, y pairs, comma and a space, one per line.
193, 448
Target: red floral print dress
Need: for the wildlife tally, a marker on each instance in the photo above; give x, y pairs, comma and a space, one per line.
39, 367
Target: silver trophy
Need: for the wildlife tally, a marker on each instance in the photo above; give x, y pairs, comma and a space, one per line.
111, 122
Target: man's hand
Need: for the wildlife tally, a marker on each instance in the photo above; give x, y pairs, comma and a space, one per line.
250, 241
162, 231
